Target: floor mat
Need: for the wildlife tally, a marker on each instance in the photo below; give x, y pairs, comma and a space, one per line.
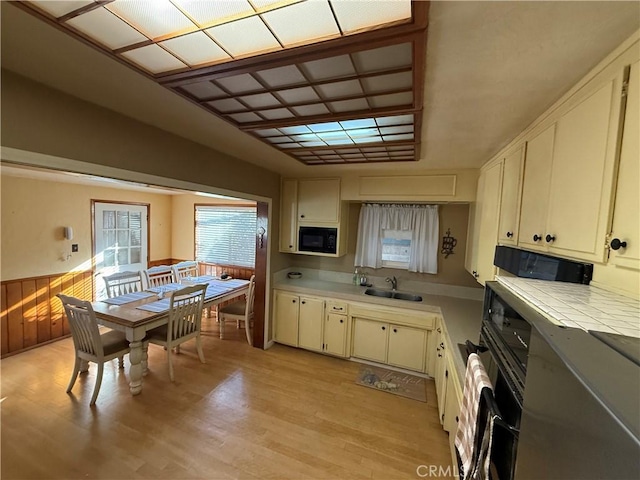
394, 382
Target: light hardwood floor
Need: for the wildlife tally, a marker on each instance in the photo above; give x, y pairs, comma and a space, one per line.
281, 413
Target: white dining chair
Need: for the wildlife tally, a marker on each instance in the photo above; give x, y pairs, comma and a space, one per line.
158, 276
241, 311
186, 269
122, 283
89, 344
185, 318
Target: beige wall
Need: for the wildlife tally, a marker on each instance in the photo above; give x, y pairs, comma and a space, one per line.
34, 212
450, 270
183, 214
36, 118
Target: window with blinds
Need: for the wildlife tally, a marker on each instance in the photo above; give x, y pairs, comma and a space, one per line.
226, 235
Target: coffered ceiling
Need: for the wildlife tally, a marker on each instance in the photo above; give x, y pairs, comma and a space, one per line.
325, 81
487, 70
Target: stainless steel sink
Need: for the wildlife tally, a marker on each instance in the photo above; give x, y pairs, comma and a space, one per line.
375, 292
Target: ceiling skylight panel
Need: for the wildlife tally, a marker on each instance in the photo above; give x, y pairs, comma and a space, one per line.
261, 100
391, 100
245, 117
382, 83
269, 4
154, 59
195, 48
227, 105
295, 129
299, 95
208, 12
349, 105
363, 132
395, 120
354, 16
302, 22
325, 127
281, 76
60, 8
339, 141
157, 18
276, 113
244, 37
308, 110
340, 89
361, 123
268, 132
329, 68
203, 90
106, 28
384, 58
240, 83
367, 139
337, 135
306, 137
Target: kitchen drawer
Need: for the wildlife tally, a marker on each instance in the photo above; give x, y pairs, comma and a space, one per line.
336, 307
398, 316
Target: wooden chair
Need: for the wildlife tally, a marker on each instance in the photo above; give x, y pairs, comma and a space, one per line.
158, 276
185, 317
185, 269
90, 345
241, 311
122, 283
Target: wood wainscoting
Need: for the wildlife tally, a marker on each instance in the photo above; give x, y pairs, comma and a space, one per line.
32, 315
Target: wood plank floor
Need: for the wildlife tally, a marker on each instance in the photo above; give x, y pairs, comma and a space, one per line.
246, 413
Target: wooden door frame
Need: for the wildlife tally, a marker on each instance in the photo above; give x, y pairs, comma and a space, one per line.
260, 268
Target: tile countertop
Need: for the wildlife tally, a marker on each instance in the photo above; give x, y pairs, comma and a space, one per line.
579, 306
462, 316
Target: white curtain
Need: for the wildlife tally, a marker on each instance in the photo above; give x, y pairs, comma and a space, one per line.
421, 220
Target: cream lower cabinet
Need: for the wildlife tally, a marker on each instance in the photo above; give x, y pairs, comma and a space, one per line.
312, 323
392, 336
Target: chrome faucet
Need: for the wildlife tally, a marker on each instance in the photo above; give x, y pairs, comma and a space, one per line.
394, 282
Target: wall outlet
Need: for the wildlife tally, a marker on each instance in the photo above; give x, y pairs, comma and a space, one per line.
74, 247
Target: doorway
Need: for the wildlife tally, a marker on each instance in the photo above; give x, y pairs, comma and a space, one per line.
120, 240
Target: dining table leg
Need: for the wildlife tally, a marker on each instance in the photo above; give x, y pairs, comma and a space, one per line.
136, 356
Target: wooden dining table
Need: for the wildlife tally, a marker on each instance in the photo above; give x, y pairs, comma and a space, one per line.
134, 315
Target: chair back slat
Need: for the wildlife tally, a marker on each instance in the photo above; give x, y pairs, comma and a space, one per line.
83, 325
185, 269
185, 311
251, 295
122, 283
158, 276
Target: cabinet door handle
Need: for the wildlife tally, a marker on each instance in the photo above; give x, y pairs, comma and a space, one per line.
509, 234
537, 238
616, 244
341, 321
301, 216
457, 419
446, 374
439, 354
384, 328
290, 246
550, 238
442, 345
395, 330
293, 301
439, 330
303, 302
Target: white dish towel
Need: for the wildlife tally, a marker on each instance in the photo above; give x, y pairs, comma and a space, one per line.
475, 380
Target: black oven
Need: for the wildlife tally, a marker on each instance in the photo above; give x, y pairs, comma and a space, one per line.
318, 239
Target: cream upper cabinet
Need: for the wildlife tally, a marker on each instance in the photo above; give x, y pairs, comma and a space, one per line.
311, 314
473, 231
510, 198
288, 216
624, 240
582, 175
286, 312
535, 189
485, 229
318, 200
406, 347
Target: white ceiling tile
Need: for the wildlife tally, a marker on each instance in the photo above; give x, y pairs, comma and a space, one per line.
327, 68
261, 100
393, 56
295, 129
339, 141
227, 105
202, 90
240, 83
60, 8
279, 139
299, 95
281, 76
360, 123
349, 105
208, 12
276, 113
234, 37
354, 16
398, 129
288, 145
268, 132
395, 120
154, 59
392, 100
308, 110
195, 48
340, 89
245, 117
394, 81
105, 27
404, 136
302, 22
156, 18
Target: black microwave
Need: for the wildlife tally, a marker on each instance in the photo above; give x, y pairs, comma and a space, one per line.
318, 239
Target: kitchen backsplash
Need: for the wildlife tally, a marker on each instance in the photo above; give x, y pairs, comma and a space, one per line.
579, 306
